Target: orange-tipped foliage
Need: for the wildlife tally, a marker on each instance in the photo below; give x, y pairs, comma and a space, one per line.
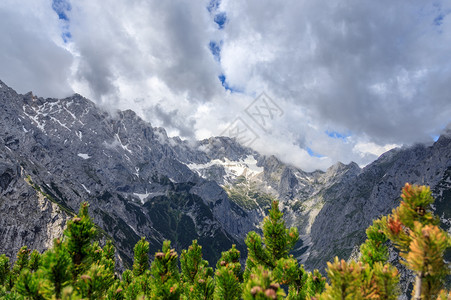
425, 257
413, 229
416, 206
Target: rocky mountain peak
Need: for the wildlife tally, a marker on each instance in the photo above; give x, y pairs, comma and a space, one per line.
56, 153
445, 138
3, 86
338, 169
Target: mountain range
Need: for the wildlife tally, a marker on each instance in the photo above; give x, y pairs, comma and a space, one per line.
57, 153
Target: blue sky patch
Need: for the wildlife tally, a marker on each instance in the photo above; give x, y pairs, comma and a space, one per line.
439, 20
221, 19
66, 36
213, 5
337, 135
61, 7
224, 83
440, 14
215, 49
313, 153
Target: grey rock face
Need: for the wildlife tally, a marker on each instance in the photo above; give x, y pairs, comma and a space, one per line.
352, 204
56, 153
131, 174
28, 218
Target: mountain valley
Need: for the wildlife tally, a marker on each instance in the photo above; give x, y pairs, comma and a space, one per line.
56, 153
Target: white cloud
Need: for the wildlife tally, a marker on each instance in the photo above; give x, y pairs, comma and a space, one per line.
32, 57
378, 71
364, 149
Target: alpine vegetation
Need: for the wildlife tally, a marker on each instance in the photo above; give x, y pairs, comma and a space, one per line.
77, 267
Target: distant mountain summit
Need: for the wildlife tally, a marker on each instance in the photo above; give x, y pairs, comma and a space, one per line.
56, 153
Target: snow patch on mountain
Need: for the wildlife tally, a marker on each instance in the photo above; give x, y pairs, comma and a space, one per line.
142, 197
89, 192
246, 167
83, 155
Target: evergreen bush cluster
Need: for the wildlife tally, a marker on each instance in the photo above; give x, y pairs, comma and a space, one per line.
78, 268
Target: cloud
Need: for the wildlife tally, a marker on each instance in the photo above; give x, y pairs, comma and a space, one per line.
374, 68
148, 38
172, 120
353, 79
371, 148
31, 57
